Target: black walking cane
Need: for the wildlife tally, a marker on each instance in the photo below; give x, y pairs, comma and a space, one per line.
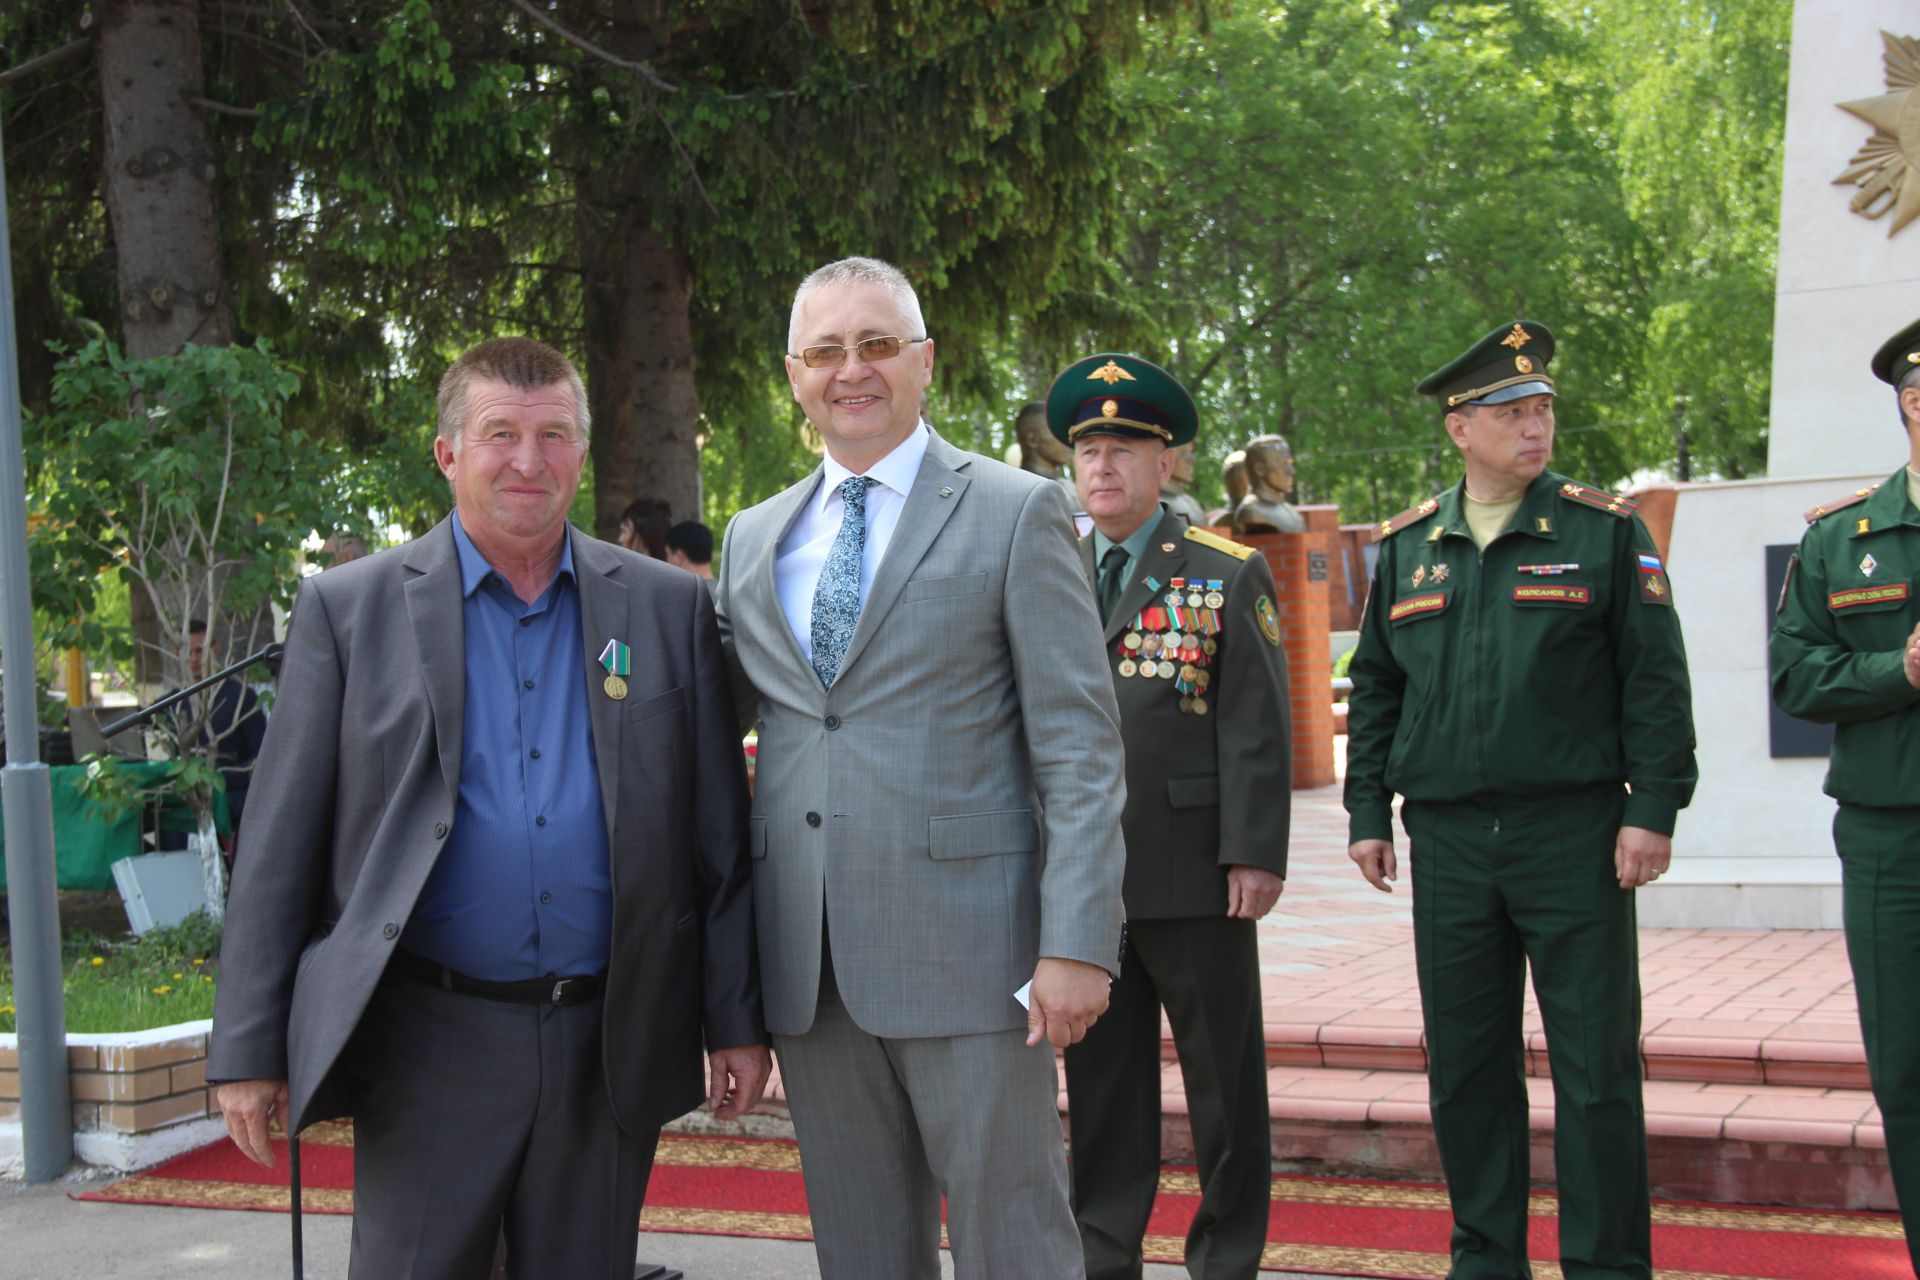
299, 1213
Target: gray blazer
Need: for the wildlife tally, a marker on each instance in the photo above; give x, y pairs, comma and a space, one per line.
354, 796
971, 728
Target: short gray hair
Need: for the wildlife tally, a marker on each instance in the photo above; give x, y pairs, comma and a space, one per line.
518, 362
860, 271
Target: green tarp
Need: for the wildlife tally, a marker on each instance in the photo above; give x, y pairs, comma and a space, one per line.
85, 845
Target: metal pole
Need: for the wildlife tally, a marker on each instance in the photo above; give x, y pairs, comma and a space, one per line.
26, 790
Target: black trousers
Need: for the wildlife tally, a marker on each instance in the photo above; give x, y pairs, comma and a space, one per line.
476, 1119
1207, 974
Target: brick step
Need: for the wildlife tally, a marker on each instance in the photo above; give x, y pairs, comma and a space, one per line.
1727, 1143
1808, 1054
1812, 1146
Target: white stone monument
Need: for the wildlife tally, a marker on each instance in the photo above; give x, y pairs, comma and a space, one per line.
1755, 848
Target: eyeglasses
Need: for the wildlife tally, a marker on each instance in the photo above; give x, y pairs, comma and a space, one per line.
872, 350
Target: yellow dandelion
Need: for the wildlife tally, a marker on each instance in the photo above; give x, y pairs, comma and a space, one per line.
162, 989
198, 961
97, 961
206, 977
6, 1008
178, 976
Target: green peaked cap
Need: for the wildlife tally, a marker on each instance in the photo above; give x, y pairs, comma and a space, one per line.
1898, 355
1111, 394
1507, 364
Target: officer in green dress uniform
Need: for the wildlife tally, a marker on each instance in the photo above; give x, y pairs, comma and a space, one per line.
1846, 652
1200, 675
1520, 681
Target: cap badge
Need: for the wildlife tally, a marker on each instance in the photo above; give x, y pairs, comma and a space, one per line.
1110, 373
1110, 409
1517, 339
1523, 364
1913, 357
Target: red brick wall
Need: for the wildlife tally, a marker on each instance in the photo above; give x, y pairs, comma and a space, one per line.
1301, 564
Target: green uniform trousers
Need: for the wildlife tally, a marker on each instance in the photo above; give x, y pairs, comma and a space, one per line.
1207, 973
1880, 890
1498, 886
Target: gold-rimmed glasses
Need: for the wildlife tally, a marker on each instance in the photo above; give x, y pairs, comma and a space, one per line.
832, 355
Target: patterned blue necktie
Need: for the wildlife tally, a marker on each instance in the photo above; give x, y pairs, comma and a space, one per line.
836, 601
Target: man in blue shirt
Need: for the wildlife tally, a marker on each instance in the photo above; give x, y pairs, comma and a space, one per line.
493, 898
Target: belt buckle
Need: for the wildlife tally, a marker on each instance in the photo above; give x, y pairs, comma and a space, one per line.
559, 988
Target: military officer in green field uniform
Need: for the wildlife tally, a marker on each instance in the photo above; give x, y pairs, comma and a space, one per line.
1519, 680
1846, 651
1194, 646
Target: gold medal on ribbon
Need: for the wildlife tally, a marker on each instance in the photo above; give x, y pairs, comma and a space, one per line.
1149, 669
1199, 706
616, 687
1215, 600
1132, 641
1127, 668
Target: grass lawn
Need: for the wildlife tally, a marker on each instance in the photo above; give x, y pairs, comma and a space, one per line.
130, 984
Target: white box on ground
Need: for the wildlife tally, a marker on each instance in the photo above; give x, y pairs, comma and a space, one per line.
160, 889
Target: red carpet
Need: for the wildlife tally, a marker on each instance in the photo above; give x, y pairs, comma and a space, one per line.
746, 1187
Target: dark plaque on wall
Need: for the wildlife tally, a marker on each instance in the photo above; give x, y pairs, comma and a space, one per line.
1316, 566
1788, 737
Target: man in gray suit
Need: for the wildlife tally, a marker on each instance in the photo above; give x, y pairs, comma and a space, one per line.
493, 895
919, 646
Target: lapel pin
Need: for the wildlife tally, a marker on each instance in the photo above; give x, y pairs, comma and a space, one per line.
617, 658
1167, 546
946, 491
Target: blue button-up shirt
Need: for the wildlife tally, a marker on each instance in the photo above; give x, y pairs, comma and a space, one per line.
522, 888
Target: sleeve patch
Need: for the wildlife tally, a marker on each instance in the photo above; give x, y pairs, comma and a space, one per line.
1654, 587
1269, 620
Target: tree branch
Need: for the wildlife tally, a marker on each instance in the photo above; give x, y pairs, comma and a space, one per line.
585, 45
32, 65
245, 113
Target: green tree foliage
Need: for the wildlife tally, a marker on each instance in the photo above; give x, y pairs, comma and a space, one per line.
1338, 195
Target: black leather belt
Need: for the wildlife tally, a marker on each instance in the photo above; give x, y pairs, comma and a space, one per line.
554, 991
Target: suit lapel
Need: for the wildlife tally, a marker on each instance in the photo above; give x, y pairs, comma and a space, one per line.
439, 633
1155, 563
783, 512
936, 491
603, 617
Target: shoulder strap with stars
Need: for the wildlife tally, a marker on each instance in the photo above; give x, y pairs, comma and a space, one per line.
1239, 551
1598, 499
1412, 515
1828, 508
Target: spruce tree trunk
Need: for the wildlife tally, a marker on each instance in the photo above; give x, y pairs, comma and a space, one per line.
638, 296
639, 338
157, 178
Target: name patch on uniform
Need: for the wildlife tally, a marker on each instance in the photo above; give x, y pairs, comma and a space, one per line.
1539, 593
1417, 606
1854, 597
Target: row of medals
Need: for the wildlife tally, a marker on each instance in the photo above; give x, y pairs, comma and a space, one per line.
1152, 654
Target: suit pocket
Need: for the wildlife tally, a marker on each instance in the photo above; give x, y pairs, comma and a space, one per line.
964, 584
1194, 793
757, 837
982, 835
659, 704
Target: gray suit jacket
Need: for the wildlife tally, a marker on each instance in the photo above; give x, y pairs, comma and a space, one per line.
907, 807
354, 796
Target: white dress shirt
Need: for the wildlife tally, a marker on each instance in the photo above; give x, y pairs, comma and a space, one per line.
803, 552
